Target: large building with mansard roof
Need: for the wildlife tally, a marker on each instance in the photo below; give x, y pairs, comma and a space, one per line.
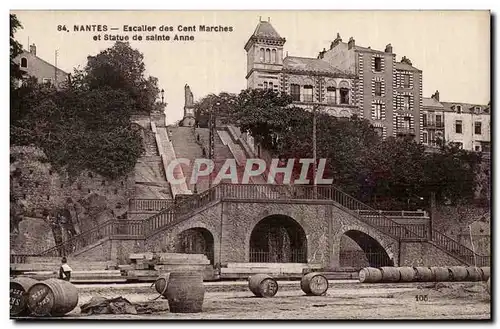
344, 80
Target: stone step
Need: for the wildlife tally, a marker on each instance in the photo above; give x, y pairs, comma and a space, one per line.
76, 266
164, 257
272, 265
80, 276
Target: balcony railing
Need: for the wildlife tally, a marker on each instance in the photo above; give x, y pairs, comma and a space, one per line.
433, 124
307, 98
405, 131
331, 99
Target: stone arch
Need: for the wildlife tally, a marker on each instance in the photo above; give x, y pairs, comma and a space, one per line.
277, 238
344, 84
268, 55
331, 83
345, 113
376, 249
196, 240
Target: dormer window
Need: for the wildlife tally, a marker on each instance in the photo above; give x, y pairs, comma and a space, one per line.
477, 109
24, 62
459, 109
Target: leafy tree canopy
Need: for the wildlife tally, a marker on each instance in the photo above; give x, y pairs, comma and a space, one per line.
15, 50
391, 173
121, 68
87, 125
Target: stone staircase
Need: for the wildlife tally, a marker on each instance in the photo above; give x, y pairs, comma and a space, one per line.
182, 210
150, 145
168, 154
185, 146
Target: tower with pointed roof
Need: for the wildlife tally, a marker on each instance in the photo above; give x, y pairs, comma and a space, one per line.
264, 57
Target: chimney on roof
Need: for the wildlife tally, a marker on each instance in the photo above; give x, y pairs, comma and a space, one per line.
33, 49
436, 95
337, 40
351, 43
406, 60
388, 48
322, 54
269, 19
260, 18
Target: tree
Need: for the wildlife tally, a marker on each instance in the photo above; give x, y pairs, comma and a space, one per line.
452, 174
209, 103
84, 126
121, 68
15, 50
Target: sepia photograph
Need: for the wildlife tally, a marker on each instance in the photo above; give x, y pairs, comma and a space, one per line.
250, 165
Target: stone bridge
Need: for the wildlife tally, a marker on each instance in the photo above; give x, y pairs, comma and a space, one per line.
237, 223
236, 229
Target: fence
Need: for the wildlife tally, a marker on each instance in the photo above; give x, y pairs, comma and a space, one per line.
149, 204
294, 256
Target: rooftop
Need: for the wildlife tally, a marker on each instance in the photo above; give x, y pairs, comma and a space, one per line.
431, 102
466, 107
406, 67
266, 30
304, 64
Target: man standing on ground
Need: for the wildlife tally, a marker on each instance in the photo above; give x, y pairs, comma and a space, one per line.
65, 270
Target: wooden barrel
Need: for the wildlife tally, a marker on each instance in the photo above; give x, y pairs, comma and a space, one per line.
390, 274
423, 274
262, 285
19, 295
314, 284
441, 274
486, 273
474, 273
458, 273
407, 274
161, 284
370, 275
52, 297
185, 292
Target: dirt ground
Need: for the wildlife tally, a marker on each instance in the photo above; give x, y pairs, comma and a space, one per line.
343, 300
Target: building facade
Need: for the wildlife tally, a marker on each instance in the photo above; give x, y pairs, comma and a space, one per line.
312, 82
344, 80
468, 125
433, 121
390, 92
43, 71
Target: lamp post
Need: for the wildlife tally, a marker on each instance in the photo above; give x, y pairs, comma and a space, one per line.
211, 138
162, 96
315, 109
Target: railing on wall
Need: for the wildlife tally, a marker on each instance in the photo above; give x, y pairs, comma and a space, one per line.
392, 213
458, 249
80, 241
149, 204
180, 208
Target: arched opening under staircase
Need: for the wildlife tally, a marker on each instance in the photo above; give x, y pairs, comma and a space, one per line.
196, 241
278, 239
358, 250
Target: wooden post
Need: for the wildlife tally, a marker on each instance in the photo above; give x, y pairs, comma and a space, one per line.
432, 213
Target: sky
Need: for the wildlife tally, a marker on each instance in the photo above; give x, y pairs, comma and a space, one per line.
452, 48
